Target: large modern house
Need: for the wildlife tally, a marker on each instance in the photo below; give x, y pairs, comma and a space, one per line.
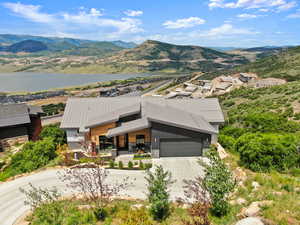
164, 127
19, 123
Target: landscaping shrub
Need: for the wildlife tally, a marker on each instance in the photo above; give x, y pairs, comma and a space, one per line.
141, 165
227, 142
54, 132
121, 166
158, 193
33, 155
264, 152
111, 164
148, 166
130, 165
135, 217
218, 181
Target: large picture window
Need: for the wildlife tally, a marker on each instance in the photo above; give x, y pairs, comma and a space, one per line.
106, 143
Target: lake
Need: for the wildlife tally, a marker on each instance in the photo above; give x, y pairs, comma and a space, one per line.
31, 82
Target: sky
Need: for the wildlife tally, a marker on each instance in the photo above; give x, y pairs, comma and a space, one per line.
214, 23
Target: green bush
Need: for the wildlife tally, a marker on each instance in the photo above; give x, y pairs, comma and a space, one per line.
218, 181
130, 165
227, 142
54, 132
121, 166
148, 166
158, 194
141, 165
51, 214
269, 122
111, 164
264, 152
33, 155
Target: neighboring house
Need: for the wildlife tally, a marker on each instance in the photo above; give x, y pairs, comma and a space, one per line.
246, 77
267, 82
164, 127
19, 123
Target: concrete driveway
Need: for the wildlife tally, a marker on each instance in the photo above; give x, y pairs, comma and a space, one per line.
12, 200
182, 168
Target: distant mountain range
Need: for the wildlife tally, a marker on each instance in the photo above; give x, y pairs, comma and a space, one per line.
7, 39
53, 54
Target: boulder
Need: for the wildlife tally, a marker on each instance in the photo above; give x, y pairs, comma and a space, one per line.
238, 201
240, 175
222, 153
254, 208
255, 185
137, 206
250, 221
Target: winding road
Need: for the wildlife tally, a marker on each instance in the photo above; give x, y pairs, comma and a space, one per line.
12, 200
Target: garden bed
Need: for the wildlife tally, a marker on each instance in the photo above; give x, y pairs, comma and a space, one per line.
120, 212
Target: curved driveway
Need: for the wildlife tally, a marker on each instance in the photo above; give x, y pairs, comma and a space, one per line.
12, 200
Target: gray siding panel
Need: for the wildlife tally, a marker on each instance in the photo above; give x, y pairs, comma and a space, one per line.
180, 147
173, 139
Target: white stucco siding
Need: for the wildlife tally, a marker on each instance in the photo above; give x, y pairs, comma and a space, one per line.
74, 136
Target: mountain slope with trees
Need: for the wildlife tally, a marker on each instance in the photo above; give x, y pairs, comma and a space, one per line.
284, 65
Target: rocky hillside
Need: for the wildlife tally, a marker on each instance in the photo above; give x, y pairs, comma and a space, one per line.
159, 56
285, 64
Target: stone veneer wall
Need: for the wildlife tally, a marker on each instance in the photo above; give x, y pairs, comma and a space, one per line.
9, 142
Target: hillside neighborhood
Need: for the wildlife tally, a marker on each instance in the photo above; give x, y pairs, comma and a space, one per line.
123, 116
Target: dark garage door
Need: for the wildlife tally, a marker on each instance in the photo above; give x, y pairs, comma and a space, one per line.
170, 147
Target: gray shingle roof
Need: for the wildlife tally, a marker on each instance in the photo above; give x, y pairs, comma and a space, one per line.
131, 126
177, 117
194, 114
13, 114
113, 116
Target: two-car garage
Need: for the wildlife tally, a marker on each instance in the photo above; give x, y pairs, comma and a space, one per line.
180, 147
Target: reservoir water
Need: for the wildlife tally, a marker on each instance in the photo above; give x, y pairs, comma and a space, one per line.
30, 82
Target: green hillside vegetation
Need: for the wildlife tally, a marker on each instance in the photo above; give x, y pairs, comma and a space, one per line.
94, 49
159, 56
263, 126
26, 46
284, 65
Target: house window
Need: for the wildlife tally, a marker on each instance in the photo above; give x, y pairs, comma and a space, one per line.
140, 139
106, 143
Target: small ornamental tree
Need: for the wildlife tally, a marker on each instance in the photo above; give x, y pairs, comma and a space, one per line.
94, 186
218, 181
159, 182
35, 197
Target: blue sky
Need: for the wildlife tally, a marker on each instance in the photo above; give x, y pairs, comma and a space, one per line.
238, 23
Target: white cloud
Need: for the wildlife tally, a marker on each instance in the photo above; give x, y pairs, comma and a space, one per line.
133, 13
264, 10
226, 30
277, 4
287, 6
90, 18
184, 23
31, 12
247, 16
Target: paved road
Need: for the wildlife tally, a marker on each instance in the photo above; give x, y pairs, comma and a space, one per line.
11, 200
51, 120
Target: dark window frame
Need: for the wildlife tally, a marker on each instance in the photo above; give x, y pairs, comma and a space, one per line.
106, 143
